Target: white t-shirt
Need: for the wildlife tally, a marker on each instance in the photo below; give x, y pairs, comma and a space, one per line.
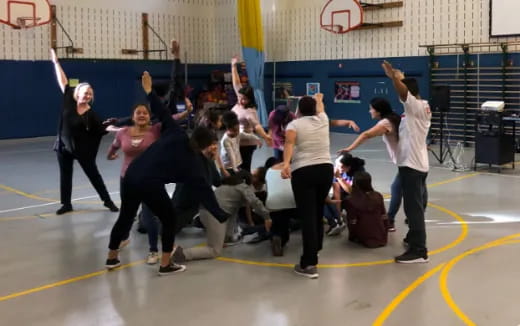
312, 141
413, 130
279, 191
389, 138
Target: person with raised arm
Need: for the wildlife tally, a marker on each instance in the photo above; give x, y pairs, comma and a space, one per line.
308, 163
247, 114
79, 135
412, 160
173, 158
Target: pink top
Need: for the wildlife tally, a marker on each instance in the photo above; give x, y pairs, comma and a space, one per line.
248, 119
132, 147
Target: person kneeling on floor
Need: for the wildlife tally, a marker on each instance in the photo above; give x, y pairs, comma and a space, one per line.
234, 192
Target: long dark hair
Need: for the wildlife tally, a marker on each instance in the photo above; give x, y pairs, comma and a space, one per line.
356, 164
237, 178
362, 182
281, 118
384, 108
248, 92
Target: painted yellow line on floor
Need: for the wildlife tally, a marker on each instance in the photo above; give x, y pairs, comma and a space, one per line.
443, 279
24, 194
462, 235
404, 294
50, 215
462, 177
64, 282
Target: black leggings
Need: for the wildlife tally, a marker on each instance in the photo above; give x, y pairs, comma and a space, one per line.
247, 156
66, 161
154, 195
311, 184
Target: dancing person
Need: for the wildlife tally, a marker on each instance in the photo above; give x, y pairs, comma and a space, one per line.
412, 160
173, 158
79, 135
307, 162
388, 128
247, 114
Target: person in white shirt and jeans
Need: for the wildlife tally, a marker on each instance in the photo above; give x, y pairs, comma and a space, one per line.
412, 160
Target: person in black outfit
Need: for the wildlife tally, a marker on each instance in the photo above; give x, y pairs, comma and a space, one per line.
79, 135
173, 158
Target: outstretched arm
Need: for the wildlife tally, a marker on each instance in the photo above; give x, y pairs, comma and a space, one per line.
396, 76
60, 74
237, 85
375, 131
345, 123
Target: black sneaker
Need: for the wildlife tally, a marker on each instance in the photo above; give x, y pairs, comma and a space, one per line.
171, 269
276, 246
178, 255
112, 263
111, 206
309, 271
412, 257
391, 227
64, 209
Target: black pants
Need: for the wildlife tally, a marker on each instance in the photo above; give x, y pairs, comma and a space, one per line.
247, 156
154, 195
66, 161
311, 184
282, 223
415, 198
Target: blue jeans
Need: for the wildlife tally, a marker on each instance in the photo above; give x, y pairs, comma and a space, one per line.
331, 214
278, 154
152, 225
396, 193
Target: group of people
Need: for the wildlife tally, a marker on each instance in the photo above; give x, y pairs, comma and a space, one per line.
214, 180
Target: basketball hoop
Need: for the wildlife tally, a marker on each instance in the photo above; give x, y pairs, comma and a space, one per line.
336, 29
26, 26
26, 22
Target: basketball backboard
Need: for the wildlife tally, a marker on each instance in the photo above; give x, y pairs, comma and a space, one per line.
341, 16
24, 13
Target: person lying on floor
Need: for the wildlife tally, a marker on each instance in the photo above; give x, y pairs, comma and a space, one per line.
234, 192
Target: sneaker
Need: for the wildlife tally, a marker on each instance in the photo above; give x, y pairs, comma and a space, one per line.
171, 269
64, 209
153, 258
343, 226
112, 263
412, 257
178, 255
336, 230
111, 206
259, 237
276, 246
232, 240
123, 244
391, 227
309, 271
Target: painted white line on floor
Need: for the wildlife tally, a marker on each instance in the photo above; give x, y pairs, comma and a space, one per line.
51, 203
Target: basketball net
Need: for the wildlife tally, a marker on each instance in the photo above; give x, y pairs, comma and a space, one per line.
26, 26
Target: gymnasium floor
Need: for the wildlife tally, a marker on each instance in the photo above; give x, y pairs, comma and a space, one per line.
51, 267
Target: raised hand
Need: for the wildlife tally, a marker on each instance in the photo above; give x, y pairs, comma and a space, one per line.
234, 60
318, 97
189, 105
54, 57
389, 70
146, 81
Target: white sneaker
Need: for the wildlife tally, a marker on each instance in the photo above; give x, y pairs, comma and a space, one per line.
335, 231
153, 258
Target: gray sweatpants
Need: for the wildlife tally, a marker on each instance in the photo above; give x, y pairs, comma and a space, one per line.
215, 233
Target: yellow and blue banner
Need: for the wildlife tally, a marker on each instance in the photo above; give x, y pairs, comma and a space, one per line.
252, 39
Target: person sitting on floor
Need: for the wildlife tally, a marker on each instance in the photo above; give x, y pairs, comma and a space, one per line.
366, 214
